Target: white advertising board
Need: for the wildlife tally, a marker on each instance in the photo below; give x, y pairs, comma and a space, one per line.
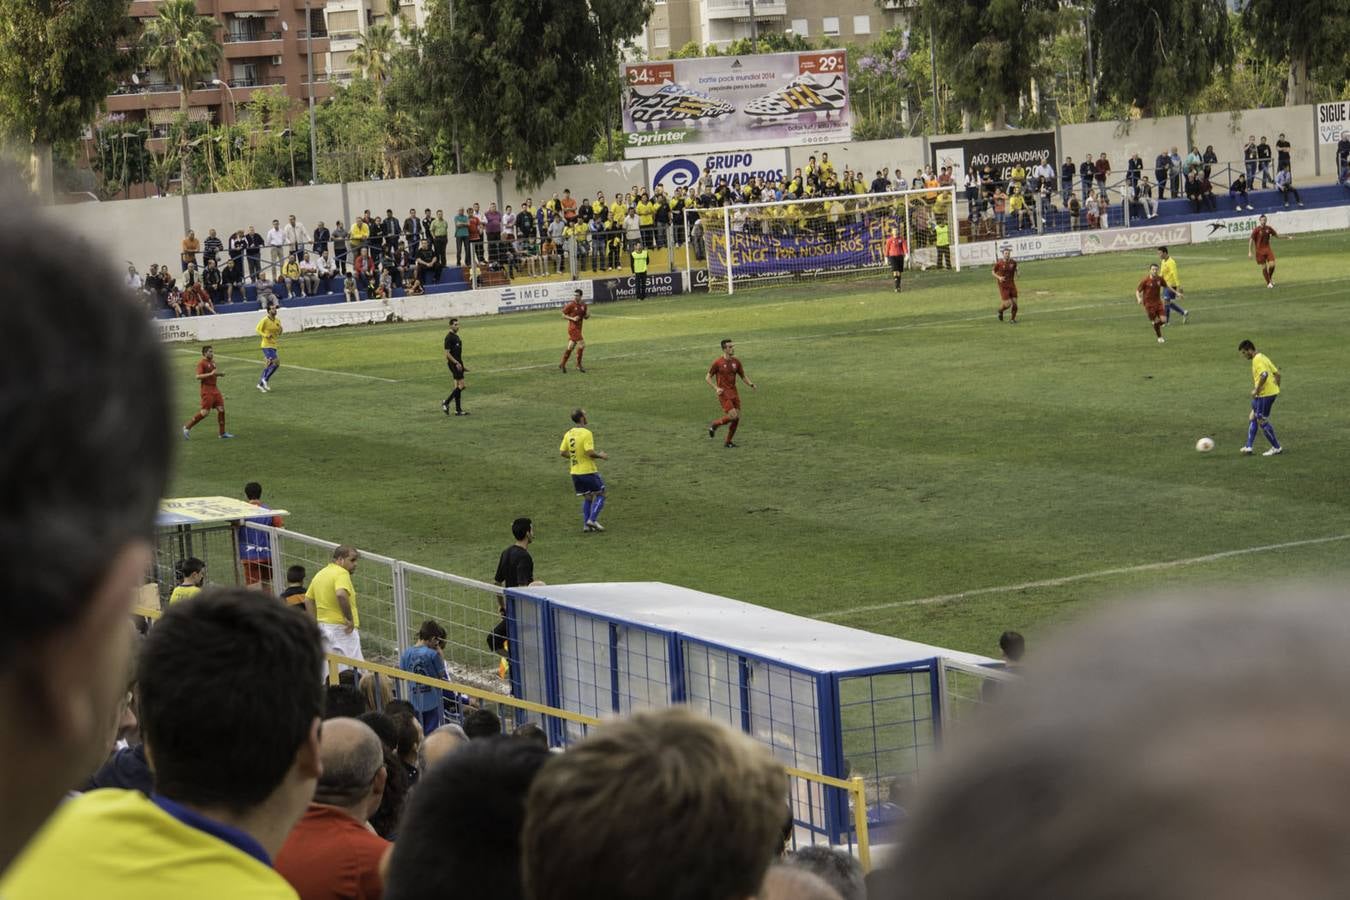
736, 166
1040, 246
1333, 120
1239, 228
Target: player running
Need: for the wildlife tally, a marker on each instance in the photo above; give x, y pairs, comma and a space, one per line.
575, 313
454, 360
1005, 273
578, 448
896, 251
268, 328
1172, 287
1266, 387
1149, 295
211, 396
721, 377
1259, 245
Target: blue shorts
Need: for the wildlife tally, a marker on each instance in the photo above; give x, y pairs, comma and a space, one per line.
1168, 294
588, 484
270, 354
1261, 405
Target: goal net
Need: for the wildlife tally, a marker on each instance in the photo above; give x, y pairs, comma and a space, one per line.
825, 238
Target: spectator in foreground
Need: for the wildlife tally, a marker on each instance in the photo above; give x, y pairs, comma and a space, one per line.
229, 785
332, 852
83, 472
440, 744
785, 882
1163, 735
674, 806
461, 837
481, 723
837, 868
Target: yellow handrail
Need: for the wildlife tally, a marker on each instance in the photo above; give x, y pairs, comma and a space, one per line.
855, 785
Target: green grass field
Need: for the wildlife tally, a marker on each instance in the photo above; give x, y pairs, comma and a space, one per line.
908, 464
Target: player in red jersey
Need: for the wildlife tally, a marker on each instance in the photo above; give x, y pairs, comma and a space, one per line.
1149, 295
896, 251
575, 313
1259, 245
721, 377
211, 396
1005, 273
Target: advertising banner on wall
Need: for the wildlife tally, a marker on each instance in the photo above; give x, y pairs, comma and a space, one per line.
737, 166
1333, 120
521, 298
1040, 246
1239, 228
735, 103
854, 245
659, 284
1147, 238
1000, 153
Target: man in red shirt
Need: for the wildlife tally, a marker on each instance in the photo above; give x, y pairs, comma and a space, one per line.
332, 852
1149, 295
575, 313
211, 396
895, 255
721, 377
1259, 244
1005, 273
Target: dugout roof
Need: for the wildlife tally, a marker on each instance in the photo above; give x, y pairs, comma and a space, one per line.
796, 641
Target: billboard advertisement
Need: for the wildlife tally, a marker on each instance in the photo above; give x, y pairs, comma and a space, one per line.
1000, 153
737, 166
852, 245
735, 103
624, 287
1333, 120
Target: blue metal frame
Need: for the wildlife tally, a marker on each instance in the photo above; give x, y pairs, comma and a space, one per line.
679, 691
614, 667
837, 819
743, 682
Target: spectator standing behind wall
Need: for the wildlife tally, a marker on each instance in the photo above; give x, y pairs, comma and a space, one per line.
84, 462
334, 599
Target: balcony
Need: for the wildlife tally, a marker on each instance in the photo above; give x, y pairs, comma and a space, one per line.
740, 9
130, 97
319, 40
266, 43
256, 81
242, 6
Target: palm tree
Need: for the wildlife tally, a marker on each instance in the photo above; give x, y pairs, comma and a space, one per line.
372, 56
182, 45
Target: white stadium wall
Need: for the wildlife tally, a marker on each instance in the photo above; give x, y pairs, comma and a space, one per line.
309, 205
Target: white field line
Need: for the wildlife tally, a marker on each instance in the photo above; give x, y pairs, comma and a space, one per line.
260, 363
1084, 576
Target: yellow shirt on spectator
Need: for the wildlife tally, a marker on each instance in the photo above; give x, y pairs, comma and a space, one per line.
184, 592
646, 211
323, 594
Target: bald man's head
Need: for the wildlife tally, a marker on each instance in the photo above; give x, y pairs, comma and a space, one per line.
441, 743
353, 766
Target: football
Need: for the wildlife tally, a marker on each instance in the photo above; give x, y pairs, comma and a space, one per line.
1204, 445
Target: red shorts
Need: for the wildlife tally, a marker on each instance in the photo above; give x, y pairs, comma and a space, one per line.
1007, 291
1155, 311
573, 332
212, 398
1264, 255
730, 400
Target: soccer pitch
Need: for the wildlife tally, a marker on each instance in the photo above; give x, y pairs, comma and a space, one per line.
908, 465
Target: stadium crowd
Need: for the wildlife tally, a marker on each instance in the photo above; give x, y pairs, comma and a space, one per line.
206, 759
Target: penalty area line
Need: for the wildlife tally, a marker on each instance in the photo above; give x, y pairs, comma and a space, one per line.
1084, 576
245, 359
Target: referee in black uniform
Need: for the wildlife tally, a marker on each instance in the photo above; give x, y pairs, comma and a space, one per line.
454, 359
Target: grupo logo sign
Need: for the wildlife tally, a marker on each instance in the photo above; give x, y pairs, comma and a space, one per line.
733, 168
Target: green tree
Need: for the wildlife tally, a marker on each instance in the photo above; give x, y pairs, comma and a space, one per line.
58, 60
182, 46
987, 49
551, 67
1159, 53
372, 56
1308, 35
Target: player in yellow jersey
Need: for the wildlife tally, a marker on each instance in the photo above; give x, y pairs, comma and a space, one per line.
578, 448
1265, 388
191, 574
268, 329
1167, 268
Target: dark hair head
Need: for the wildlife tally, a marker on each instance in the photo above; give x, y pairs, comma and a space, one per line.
1163, 250
384, 728
396, 786
521, 527
394, 707
190, 566
343, 701
533, 733
462, 836
725, 341
253, 491
1013, 645
409, 735
295, 574
430, 629
1246, 345
481, 723
206, 348
578, 415
252, 661
60, 531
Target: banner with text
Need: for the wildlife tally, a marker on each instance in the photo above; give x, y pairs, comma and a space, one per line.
1000, 153
1333, 121
521, 298
735, 102
659, 284
1041, 246
1147, 238
736, 167
855, 245
1239, 228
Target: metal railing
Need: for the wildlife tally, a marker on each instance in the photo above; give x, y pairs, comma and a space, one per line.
257, 81
254, 37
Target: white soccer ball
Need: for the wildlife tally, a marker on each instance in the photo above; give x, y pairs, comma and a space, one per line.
1204, 445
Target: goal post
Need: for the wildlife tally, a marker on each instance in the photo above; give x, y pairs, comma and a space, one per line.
833, 238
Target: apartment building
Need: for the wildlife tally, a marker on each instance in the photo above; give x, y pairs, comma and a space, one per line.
266, 43
348, 20
674, 23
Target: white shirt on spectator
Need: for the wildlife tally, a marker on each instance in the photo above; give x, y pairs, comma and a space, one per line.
275, 238
296, 234
134, 281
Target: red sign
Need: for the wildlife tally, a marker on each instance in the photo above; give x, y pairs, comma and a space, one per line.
824, 63
651, 76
